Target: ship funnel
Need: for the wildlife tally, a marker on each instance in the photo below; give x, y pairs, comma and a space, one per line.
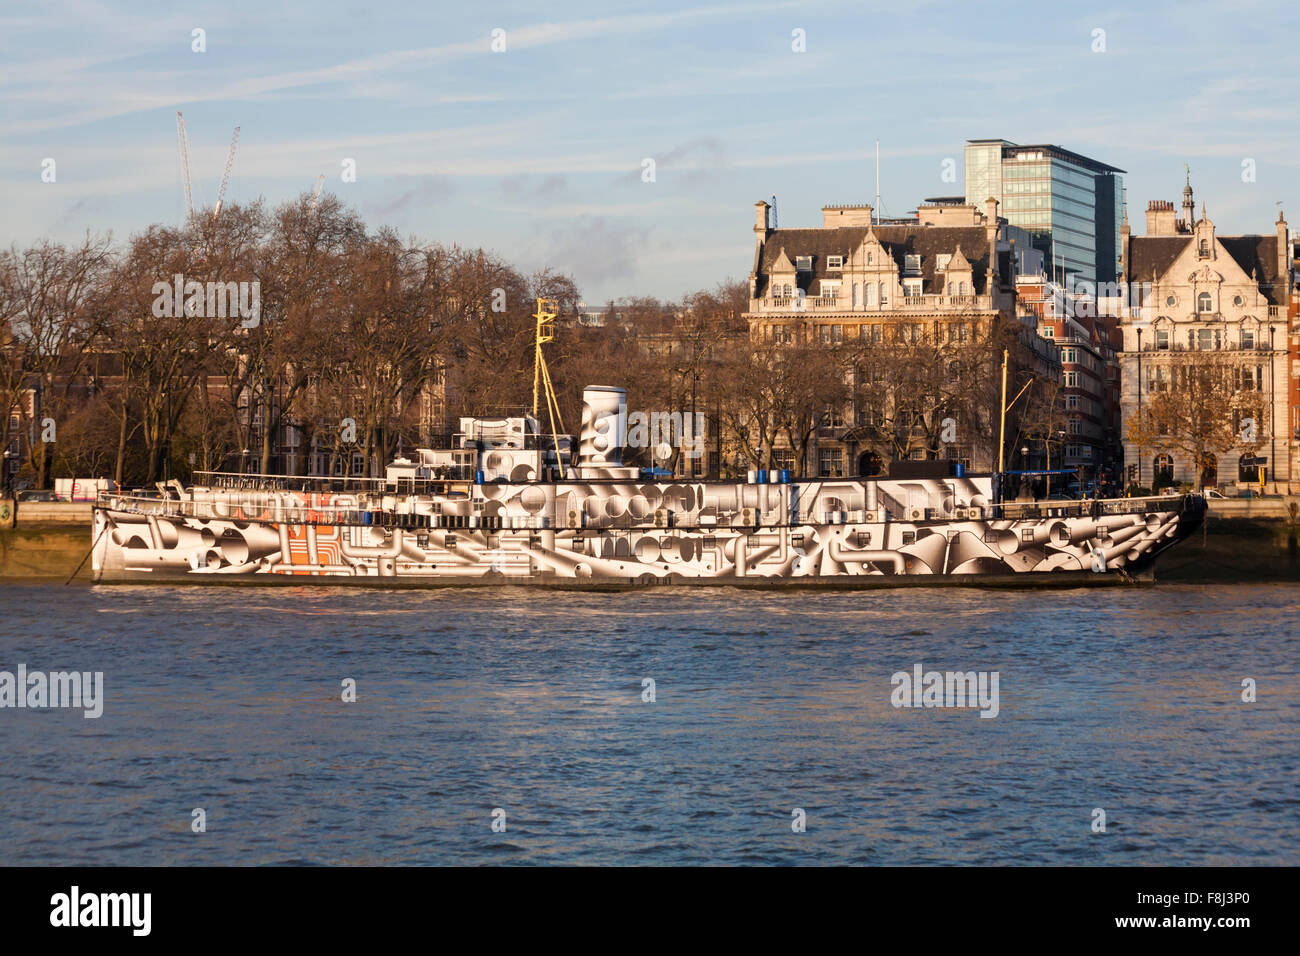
604, 425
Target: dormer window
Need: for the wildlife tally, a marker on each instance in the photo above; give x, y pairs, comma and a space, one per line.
803, 263
1205, 247
835, 263
1204, 302
940, 262
912, 264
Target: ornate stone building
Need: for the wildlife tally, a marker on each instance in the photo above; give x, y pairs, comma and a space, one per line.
1192, 293
945, 276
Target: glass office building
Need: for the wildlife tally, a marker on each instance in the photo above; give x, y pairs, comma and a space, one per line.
1068, 203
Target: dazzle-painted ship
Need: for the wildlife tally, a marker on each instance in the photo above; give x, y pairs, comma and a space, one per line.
509, 504
505, 508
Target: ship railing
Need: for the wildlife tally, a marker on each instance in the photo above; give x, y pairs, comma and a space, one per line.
241, 481
1012, 511
235, 510
320, 484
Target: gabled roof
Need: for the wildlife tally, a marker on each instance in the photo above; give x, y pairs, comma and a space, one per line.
899, 241
1256, 255
958, 262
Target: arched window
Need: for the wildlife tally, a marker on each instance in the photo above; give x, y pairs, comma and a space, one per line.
962, 288
1204, 302
871, 257
857, 293
884, 295
950, 288
1205, 247
1163, 468
870, 299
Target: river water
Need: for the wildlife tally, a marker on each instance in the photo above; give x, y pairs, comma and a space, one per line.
1127, 701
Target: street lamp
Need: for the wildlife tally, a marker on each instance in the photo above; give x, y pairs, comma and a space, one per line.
1139, 451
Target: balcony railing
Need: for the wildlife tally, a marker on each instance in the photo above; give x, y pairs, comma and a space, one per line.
904, 303
1258, 347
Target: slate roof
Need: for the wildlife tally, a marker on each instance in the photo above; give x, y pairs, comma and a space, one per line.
899, 241
1257, 253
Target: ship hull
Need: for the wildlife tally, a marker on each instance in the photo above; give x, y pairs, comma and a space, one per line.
626, 535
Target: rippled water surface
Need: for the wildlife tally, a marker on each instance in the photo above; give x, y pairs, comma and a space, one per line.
1127, 700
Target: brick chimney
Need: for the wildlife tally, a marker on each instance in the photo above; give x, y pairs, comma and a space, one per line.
1162, 219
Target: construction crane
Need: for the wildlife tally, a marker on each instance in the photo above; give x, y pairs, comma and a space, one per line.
183, 144
225, 176
315, 196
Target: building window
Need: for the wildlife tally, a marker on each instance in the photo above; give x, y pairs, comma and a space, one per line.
1247, 338
941, 262
1162, 340
832, 462
825, 334
1204, 302
830, 290
1071, 379
912, 263
1163, 468
1049, 332
1171, 301
803, 263
1069, 356
1072, 401
833, 418
1205, 247
1236, 300
857, 294
835, 262
837, 334
884, 295
871, 298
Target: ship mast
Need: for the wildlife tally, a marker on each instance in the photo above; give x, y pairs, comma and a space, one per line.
547, 310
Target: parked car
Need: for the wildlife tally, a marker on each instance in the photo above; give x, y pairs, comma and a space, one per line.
1214, 493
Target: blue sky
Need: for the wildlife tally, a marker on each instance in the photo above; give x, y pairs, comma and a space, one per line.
536, 152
